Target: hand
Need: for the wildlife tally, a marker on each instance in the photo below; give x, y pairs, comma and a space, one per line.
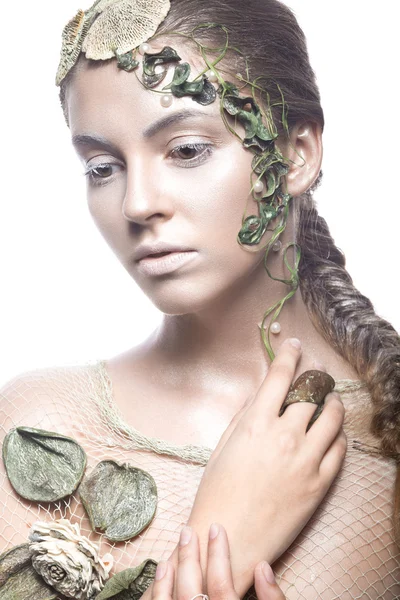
268, 474
188, 577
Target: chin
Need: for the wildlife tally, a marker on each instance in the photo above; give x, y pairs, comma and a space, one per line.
176, 306
181, 298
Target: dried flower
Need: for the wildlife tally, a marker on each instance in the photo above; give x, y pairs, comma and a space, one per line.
68, 561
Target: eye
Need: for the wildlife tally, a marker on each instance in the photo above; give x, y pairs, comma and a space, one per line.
102, 173
191, 155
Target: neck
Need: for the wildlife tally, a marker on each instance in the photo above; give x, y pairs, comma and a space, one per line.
223, 343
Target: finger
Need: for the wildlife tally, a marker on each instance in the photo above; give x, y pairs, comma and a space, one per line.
275, 386
299, 414
326, 428
333, 459
163, 583
265, 584
189, 576
219, 571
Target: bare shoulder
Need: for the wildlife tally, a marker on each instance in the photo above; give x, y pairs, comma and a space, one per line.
51, 399
40, 398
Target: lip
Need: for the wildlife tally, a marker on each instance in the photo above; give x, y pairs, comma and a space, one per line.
153, 265
157, 247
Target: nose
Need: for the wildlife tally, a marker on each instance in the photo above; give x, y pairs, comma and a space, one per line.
145, 199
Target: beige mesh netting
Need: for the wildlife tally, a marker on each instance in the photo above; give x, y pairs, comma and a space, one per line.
347, 551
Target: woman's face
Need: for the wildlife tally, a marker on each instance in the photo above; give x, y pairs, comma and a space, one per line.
163, 179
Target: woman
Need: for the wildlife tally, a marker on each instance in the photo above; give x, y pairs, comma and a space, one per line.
206, 359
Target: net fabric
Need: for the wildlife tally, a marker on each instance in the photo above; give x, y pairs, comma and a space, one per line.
347, 550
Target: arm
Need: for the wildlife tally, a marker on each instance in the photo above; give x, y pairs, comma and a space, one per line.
267, 475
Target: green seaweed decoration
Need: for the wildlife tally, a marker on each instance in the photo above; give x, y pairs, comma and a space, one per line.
260, 134
252, 110
201, 91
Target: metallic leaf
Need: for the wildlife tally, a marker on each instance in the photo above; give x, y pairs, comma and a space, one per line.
120, 500
19, 580
42, 466
129, 584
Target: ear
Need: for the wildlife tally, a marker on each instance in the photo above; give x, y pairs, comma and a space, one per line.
305, 154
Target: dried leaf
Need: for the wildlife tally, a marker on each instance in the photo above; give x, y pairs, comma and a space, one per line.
123, 25
120, 500
129, 584
42, 466
19, 580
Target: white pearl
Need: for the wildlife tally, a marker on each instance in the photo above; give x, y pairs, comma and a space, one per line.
211, 76
166, 100
143, 48
258, 187
277, 246
275, 327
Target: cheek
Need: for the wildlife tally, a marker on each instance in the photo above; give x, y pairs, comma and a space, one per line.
104, 204
217, 193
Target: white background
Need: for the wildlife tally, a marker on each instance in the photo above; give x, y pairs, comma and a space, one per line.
64, 298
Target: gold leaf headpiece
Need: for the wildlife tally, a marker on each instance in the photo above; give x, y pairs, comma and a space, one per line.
108, 28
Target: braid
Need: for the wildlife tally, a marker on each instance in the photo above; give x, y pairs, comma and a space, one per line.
348, 322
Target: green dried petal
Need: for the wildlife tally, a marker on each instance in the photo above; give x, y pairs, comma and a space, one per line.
181, 74
120, 500
257, 143
252, 230
261, 163
207, 95
268, 212
129, 584
127, 61
227, 88
42, 466
19, 580
202, 92
272, 184
150, 61
233, 104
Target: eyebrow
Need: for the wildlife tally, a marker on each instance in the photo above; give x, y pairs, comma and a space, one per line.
151, 131
177, 117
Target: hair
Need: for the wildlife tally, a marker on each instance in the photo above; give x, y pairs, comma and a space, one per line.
268, 35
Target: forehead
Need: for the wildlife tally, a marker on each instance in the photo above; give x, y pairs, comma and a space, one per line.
101, 97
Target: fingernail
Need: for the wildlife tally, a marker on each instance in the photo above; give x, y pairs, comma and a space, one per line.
268, 573
295, 343
186, 535
214, 531
161, 570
